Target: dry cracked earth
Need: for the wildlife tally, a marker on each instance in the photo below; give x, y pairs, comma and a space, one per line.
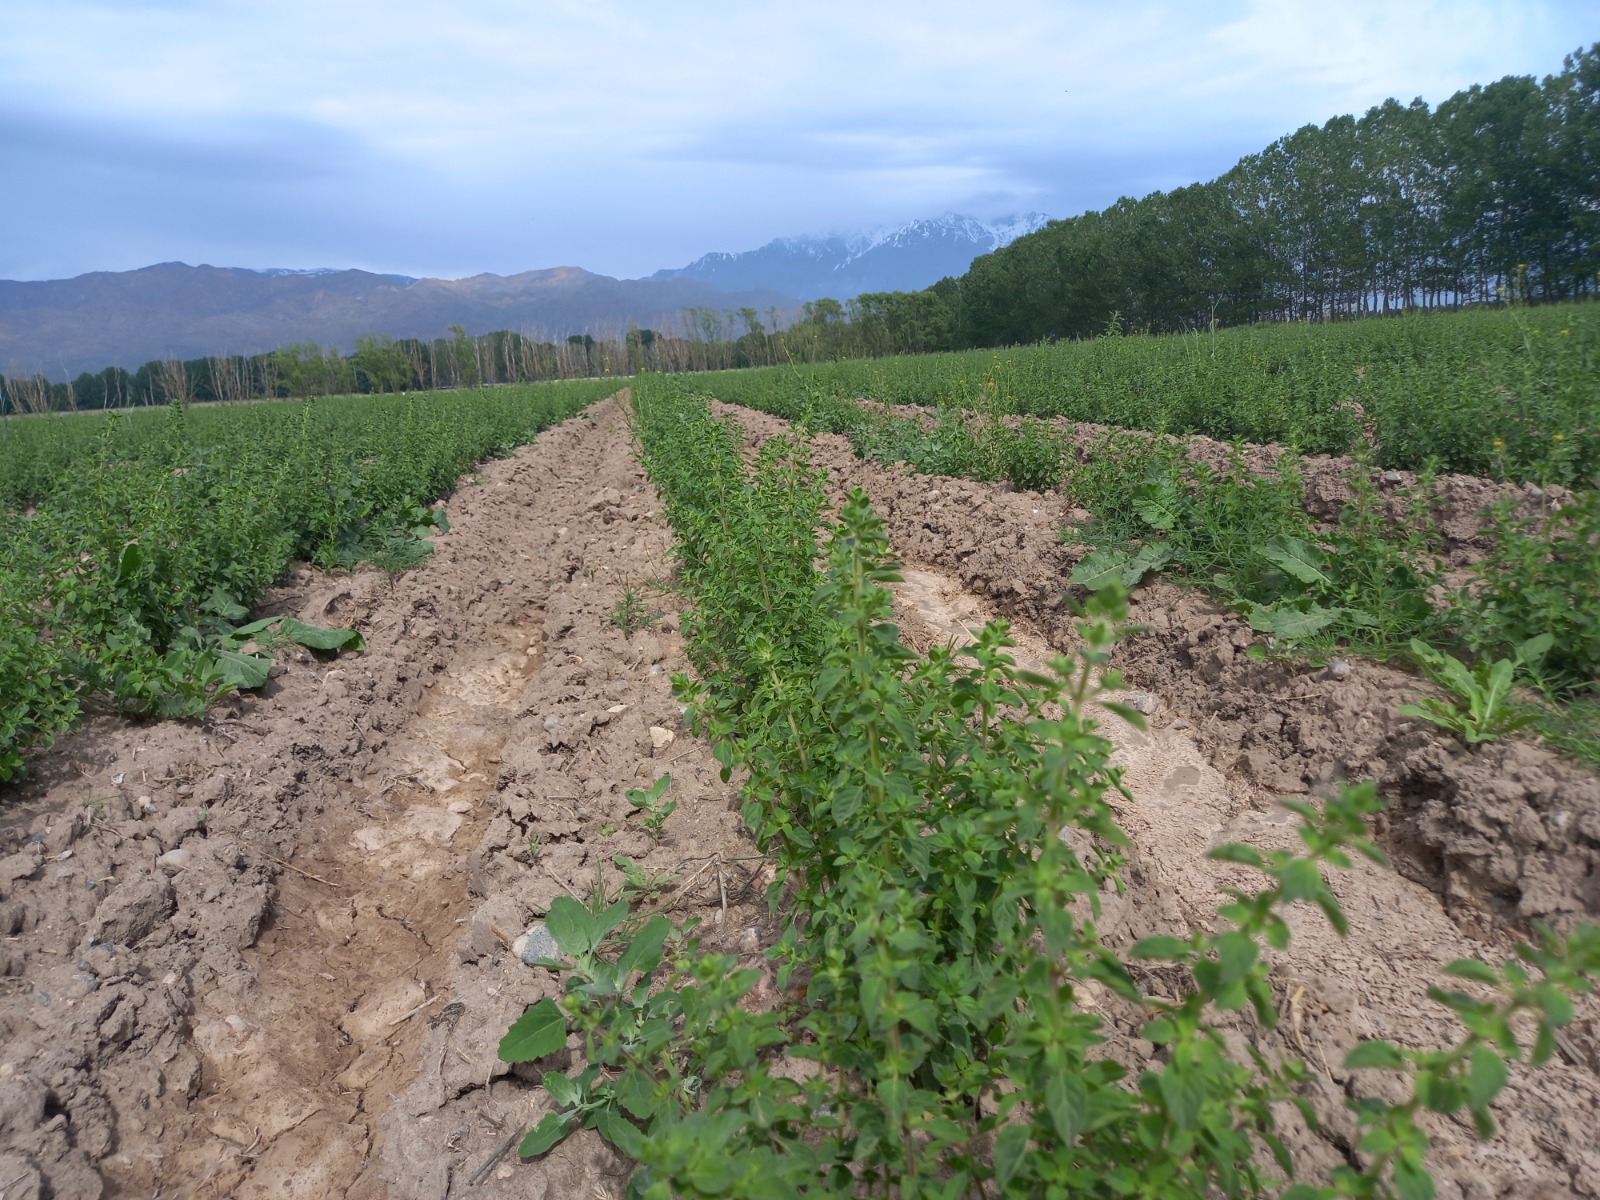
273, 953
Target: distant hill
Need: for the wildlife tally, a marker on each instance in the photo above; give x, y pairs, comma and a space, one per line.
126, 318
904, 259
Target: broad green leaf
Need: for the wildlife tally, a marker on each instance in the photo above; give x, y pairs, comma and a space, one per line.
644, 951
1468, 968
1531, 652
1160, 946
551, 1128
1184, 1090
315, 638
1412, 1181
1291, 623
1375, 1054
1067, 1100
1296, 558
1100, 569
246, 672
539, 1031
1237, 953
1010, 1144
563, 1090
569, 923
1157, 505
1487, 1076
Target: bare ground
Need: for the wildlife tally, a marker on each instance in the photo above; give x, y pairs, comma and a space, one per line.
273, 954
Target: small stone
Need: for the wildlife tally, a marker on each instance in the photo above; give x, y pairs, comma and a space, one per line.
617, 709
1143, 702
551, 724
1338, 669
1534, 490
661, 738
174, 860
1392, 478
460, 806
535, 945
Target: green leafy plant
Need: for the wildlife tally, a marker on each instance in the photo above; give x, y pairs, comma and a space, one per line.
1480, 707
941, 834
656, 809
629, 614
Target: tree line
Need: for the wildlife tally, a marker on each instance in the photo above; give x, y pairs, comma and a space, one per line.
1494, 194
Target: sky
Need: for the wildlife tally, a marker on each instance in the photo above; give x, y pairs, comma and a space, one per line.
425, 138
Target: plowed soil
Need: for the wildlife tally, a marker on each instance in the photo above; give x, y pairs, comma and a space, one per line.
273, 954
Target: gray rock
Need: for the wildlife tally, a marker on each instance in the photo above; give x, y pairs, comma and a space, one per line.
1338, 669
536, 944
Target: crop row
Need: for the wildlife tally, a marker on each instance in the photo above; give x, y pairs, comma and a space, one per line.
1372, 580
1506, 394
146, 538
940, 830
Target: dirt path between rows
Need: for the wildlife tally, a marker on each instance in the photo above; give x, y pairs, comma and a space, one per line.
273, 954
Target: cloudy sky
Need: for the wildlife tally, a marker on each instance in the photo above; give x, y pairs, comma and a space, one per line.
503, 135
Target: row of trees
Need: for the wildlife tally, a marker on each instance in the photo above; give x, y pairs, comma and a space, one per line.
707, 340
1494, 193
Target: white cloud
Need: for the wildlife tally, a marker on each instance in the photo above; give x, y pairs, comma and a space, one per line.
492, 135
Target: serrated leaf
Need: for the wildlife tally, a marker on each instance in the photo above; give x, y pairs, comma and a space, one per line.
1412, 1181
1237, 953
539, 1031
1236, 852
1067, 1100
1157, 505
1184, 1090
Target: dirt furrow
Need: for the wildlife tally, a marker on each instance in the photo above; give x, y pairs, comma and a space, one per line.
273, 954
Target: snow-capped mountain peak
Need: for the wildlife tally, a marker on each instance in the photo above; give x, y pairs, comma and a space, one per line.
903, 258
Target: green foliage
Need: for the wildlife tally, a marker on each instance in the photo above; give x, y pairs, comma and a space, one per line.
941, 831
1541, 575
656, 810
1480, 709
629, 613
1504, 393
152, 534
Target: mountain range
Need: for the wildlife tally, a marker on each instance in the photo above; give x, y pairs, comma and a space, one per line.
903, 259
60, 328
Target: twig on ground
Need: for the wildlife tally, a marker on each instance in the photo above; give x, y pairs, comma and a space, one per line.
290, 866
487, 1165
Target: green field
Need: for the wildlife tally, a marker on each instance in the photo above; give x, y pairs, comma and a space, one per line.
1503, 393
132, 542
